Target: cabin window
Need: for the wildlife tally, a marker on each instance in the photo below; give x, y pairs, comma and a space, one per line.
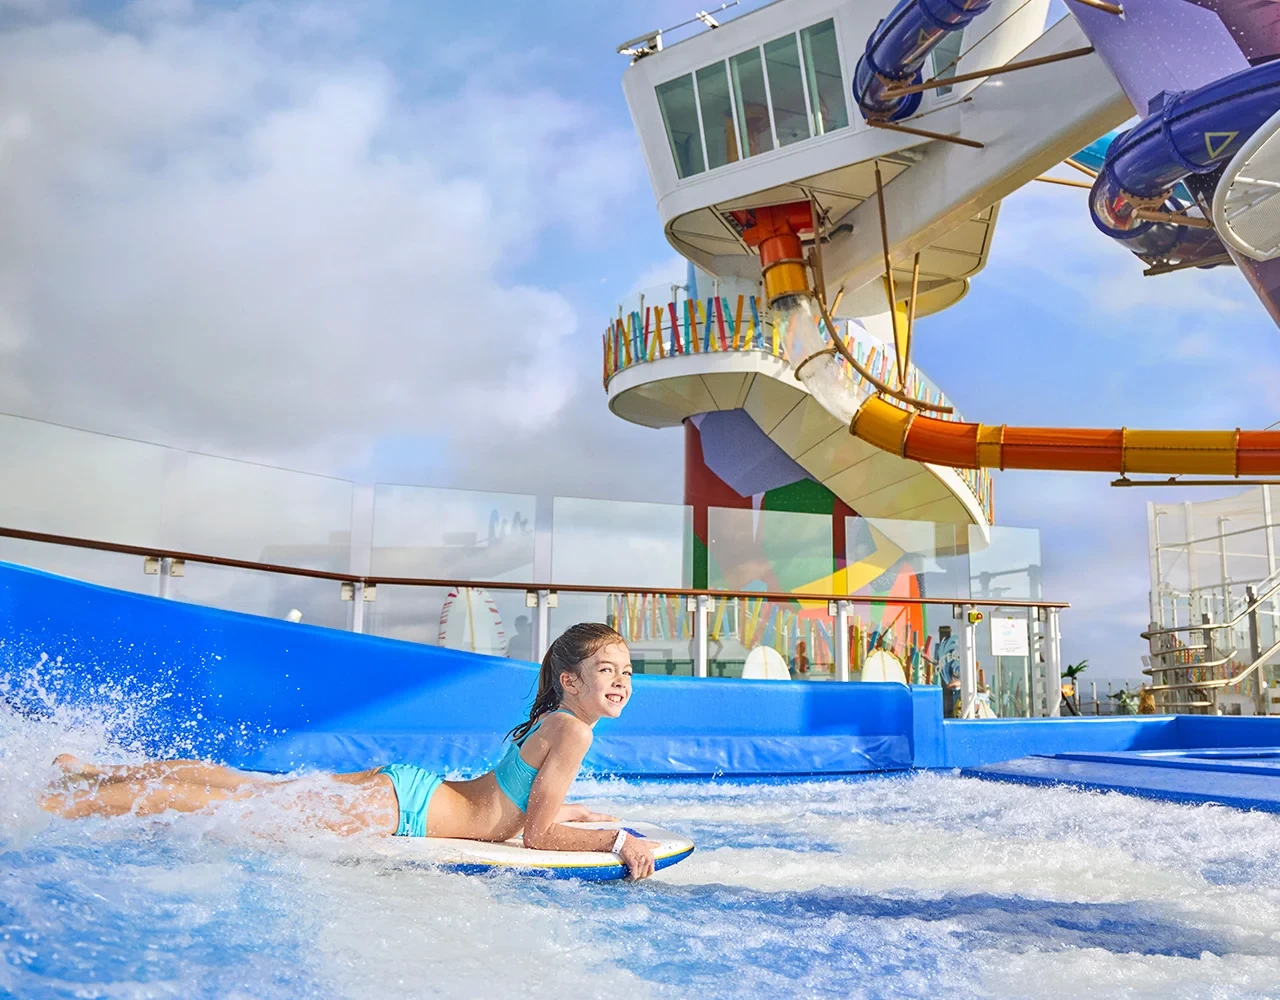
718, 126
827, 106
773, 95
786, 90
945, 56
754, 124
678, 100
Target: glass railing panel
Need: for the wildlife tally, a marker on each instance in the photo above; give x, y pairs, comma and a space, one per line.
71, 482
270, 595
1006, 565
1003, 659
621, 543
242, 510
107, 569
885, 557
770, 640
769, 550
491, 621
444, 534
892, 642
657, 627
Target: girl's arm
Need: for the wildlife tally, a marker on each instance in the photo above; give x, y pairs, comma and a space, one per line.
542, 832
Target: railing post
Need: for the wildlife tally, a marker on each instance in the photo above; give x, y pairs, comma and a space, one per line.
543, 601
701, 608
1053, 665
840, 612
166, 574
357, 607
969, 666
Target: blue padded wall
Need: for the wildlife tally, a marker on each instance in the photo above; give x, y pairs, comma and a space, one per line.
261, 693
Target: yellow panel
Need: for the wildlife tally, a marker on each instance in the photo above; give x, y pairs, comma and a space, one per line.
745, 389
803, 427
652, 409
770, 400
948, 510
970, 236
950, 263
909, 494
874, 472
725, 388
834, 453
1198, 452
692, 392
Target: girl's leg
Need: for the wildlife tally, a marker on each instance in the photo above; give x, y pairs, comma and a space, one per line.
195, 772
142, 798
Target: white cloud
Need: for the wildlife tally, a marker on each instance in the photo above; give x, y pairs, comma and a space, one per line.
212, 241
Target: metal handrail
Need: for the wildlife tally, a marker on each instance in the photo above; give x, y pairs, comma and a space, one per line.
1214, 626
1222, 682
571, 588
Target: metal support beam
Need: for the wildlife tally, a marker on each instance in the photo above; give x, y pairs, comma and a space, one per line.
1053, 664
701, 608
969, 666
840, 612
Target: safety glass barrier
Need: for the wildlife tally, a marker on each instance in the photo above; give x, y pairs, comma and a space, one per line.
621, 543
270, 595
491, 621
658, 627
106, 569
886, 557
78, 483
761, 639
436, 533
766, 550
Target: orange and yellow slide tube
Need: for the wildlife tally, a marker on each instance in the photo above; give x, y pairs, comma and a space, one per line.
1076, 449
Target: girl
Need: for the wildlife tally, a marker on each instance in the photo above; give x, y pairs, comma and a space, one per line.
585, 677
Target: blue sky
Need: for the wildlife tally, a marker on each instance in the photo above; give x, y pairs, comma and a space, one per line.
382, 241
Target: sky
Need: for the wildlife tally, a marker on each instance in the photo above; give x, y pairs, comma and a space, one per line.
380, 241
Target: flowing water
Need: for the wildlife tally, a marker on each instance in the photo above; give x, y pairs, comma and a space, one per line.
923, 886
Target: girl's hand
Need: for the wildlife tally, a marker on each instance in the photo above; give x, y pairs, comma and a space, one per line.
637, 855
581, 814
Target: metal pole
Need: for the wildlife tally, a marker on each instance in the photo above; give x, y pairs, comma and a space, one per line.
1153, 542
166, 572
701, 626
841, 612
1053, 664
357, 607
542, 625
1193, 590
969, 667
1222, 568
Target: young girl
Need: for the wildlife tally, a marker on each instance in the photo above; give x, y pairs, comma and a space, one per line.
585, 676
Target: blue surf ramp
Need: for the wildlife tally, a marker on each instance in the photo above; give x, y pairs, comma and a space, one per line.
272, 695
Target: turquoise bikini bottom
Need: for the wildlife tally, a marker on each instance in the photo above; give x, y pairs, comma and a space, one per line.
414, 788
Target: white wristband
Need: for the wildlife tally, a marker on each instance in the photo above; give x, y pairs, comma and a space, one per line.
619, 840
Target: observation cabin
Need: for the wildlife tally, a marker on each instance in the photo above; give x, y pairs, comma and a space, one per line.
757, 115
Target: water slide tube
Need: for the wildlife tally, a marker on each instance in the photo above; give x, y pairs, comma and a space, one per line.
898, 48
1077, 449
1189, 135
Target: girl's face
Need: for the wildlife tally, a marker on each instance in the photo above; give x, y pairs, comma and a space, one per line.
604, 686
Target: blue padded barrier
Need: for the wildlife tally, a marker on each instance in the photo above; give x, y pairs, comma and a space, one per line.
987, 741
267, 694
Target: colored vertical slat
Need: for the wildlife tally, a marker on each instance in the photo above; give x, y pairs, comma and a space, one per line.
738, 332
755, 325
705, 313
724, 343
675, 329
657, 330
625, 331
688, 340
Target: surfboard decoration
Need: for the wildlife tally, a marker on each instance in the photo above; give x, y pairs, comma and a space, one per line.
475, 857
882, 665
765, 664
469, 621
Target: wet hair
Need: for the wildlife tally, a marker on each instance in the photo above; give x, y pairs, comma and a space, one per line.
566, 654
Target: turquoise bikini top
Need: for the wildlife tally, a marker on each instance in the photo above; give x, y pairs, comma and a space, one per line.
515, 777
